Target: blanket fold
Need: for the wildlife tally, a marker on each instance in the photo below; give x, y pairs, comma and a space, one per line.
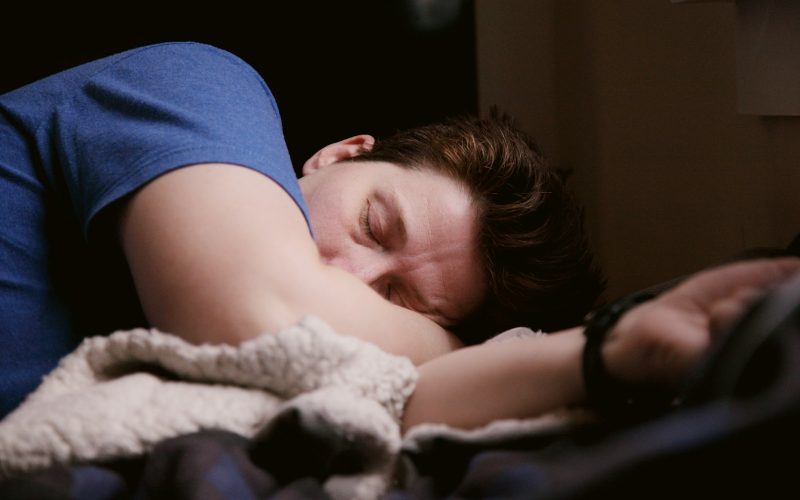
117, 396
337, 398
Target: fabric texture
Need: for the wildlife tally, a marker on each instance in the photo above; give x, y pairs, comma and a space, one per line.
74, 143
206, 465
118, 396
314, 403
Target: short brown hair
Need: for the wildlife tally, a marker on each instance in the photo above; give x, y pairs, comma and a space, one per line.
531, 233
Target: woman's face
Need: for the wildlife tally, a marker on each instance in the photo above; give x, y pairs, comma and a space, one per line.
409, 234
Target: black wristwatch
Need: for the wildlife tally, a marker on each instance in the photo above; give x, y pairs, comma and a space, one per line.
608, 396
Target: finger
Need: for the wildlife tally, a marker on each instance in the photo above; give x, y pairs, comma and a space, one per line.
710, 286
726, 312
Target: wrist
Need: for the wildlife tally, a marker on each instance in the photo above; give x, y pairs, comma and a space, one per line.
605, 392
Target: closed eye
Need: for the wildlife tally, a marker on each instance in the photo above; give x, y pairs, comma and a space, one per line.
365, 225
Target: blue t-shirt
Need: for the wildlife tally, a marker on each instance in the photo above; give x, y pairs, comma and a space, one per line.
74, 143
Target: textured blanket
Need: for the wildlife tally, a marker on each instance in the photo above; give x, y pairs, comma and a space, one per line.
118, 396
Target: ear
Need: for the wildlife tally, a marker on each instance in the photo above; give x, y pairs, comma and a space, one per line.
338, 151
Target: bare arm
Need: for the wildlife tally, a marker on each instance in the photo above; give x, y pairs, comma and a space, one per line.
656, 343
513, 379
220, 253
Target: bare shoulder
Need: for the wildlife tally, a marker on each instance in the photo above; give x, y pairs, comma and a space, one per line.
221, 253
202, 241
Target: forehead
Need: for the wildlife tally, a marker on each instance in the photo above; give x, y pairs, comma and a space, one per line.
440, 258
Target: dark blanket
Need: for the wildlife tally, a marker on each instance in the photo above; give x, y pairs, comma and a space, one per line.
734, 436
711, 451
203, 466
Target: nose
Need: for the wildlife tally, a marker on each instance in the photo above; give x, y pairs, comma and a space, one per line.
373, 268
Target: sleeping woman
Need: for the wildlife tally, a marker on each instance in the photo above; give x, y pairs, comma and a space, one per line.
154, 188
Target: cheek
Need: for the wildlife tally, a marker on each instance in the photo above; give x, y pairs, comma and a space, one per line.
331, 229
334, 207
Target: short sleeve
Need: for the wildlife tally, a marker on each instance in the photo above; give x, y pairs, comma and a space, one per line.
161, 107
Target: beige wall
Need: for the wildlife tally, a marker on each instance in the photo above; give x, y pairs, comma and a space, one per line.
638, 97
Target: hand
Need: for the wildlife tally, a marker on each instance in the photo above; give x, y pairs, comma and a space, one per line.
660, 341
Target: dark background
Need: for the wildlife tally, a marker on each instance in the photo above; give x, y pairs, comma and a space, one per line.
336, 68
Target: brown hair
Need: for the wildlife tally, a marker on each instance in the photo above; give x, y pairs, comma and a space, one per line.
531, 234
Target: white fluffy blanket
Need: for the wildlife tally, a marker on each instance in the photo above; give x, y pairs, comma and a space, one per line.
119, 395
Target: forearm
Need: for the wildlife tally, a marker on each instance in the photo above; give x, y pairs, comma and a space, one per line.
511, 379
656, 344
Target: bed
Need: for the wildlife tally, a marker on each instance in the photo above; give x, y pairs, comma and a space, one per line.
142, 414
